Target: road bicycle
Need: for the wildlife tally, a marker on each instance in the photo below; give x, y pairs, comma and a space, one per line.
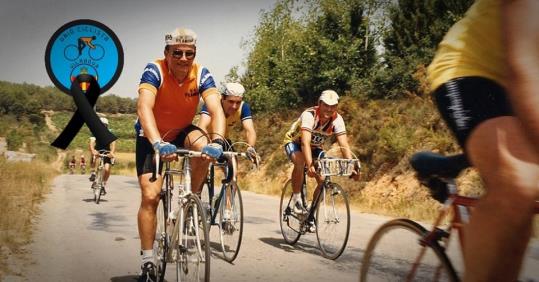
329, 215
181, 235
71, 52
225, 210
404, 250
71, 168
97, 185
82, 168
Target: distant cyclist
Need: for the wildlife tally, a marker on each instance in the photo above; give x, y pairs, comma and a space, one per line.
82, 163
304, 140
72, 164
95, 146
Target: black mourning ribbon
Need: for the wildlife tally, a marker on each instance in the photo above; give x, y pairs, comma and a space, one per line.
84, 114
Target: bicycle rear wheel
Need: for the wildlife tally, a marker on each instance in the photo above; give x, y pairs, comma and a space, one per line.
98, 183
395, 253
289, 221
193, 250
161, 241
231, 221
332, 220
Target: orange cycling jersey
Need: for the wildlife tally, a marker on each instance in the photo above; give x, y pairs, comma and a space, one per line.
175, 103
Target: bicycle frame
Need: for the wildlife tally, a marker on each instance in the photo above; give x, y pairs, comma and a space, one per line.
183, 192
460, 207
321, 191
229, 172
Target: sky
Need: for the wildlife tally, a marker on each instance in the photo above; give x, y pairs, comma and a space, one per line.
27, 25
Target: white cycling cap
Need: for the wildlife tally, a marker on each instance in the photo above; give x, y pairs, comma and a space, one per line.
181, 36
233, 89
329, 97
104, 120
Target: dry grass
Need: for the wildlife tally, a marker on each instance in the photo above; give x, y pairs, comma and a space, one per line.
21, 190
124, 164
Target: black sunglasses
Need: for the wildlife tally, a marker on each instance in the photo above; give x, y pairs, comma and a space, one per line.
178, 54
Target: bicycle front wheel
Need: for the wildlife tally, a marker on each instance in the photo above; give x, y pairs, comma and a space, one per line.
160, 244
98, 185
193, 250
289, 221
395, 253
332, 220
231, 221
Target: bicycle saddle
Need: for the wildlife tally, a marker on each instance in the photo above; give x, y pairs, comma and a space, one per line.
428, 164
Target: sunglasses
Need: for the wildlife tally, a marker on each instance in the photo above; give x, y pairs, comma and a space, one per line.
178, 54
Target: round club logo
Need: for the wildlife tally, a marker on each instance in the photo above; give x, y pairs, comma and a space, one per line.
84, 47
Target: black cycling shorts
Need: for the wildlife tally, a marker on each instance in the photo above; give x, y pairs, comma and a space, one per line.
145, 153
466, 102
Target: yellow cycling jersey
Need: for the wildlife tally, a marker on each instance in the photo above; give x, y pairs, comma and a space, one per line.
472, 47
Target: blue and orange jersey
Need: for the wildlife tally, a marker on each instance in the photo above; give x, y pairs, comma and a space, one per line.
243, 113
175, 103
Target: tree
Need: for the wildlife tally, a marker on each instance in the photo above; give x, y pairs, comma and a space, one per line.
300, 50
415, 29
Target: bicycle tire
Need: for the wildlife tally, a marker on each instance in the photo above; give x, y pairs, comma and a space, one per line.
193, 248
99, 181
71, 52
393, 249
161, 240
96, 53
290, 233
231, 230
332, 209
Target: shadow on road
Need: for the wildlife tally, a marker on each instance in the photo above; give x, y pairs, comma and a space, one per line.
257, 220
91, 200
299, 246
106, 222
127, 278
349, 261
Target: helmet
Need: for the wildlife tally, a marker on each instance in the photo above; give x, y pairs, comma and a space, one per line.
329, 97
232, 89
181, 36
104, 120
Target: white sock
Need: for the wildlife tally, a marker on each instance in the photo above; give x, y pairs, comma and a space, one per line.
296, 197
147, 256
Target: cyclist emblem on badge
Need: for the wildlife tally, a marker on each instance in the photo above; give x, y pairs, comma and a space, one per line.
84, 47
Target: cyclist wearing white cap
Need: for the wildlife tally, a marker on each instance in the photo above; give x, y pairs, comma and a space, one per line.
169, 93
235, 110
303, 142
94, 147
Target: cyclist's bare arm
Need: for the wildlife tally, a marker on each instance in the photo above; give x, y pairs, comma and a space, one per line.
112, 149
92, 146
145, 104
213, 103
204, 122
306, 150
342, 140
521, 27
250, 133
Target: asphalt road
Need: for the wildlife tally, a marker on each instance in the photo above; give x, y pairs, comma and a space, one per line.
77, 240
